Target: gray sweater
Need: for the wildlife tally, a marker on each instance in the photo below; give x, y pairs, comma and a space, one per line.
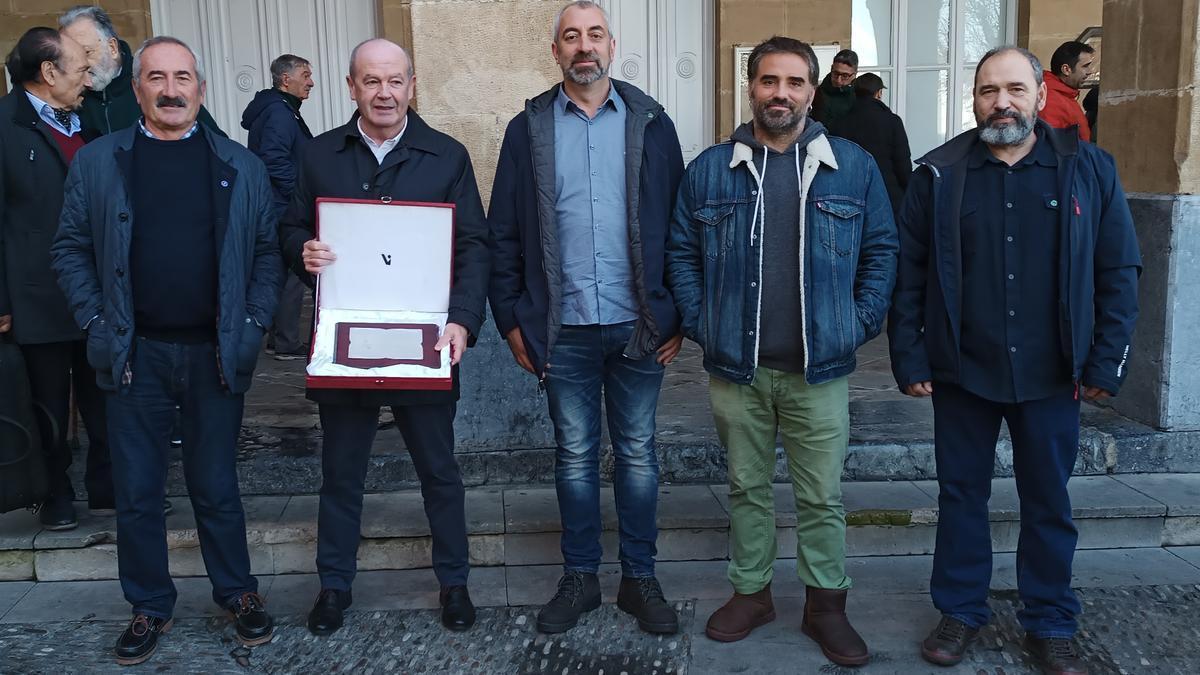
780, 346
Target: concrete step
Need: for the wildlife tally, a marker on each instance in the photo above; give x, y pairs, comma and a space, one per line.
519, 526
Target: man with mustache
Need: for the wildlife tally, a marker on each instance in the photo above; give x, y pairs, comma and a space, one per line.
1017, 295
787, 218
168, 256
39, 136
579, 214
278, 135
386, 151
109, 104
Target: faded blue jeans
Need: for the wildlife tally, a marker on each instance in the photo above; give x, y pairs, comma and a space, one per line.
587, 362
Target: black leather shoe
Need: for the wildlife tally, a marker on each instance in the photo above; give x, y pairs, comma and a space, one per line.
578, 592
326, 615
253, 625
947, 644
58, 513
1056, 656
458, 613
139, 640
643, 598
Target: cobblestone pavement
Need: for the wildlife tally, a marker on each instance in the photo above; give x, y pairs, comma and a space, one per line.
404, 641
1152, 629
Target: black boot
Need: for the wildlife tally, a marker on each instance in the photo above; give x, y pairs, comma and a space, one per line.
1056, 656
139, 640
947, 644
458, 613
578, 592
58, 513
643, 598
326, 615
254, 625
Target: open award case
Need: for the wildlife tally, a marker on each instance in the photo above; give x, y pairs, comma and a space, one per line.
382, 304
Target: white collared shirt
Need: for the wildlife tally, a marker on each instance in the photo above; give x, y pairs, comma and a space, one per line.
380, 150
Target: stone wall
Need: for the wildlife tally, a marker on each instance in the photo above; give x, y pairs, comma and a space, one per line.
748, 22
131, 18
1043, 25
476, 64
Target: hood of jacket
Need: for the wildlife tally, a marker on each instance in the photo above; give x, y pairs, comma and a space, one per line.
744, 135
261, 102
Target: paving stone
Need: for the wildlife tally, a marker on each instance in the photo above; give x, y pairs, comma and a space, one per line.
297, 524
887, 503
16, 565
890, 540
70, 601
1181, 531
689, 506
92, 530
11, 592
189, 561
76, 564
18, 529
386, 590
1106, 497
1110, 569
1189, 554
1180, 492
544, 548
535, 509
402, 514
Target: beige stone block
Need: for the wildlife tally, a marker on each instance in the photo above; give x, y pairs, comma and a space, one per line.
16, 565
482, 135
295, 557
76, 564
482, 57
189, 561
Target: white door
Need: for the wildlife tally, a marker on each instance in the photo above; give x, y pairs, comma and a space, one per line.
664, 47
238, 39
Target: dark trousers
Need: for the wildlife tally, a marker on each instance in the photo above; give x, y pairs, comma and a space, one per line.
140, 418
286, 327
588, 365
428, 431
53, 368
1045, 440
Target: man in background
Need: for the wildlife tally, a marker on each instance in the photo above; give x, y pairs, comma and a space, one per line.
835, 95
278, 135
1072, 64
880, 132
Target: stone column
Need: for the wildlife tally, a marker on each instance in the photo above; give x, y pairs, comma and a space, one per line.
1150, 121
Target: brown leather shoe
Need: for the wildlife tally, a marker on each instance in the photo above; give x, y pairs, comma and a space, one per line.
948, 643
742, 614
1056, 656
826, 623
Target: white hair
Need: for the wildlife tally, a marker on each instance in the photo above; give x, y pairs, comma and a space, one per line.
579, 4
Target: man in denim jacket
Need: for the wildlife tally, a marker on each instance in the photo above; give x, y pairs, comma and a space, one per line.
786, 218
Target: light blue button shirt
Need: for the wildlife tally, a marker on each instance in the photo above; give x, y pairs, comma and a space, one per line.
593, 229
146, 132
45, 112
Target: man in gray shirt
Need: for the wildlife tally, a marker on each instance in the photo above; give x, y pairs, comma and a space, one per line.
579, 215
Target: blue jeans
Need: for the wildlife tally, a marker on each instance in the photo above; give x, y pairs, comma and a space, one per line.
1045, 439
586, 361
140, 419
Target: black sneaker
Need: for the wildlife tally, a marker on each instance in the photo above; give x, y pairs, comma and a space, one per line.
1056, 656
578, 592
254, 625
58, 513
643, 598
947, 644
139, 640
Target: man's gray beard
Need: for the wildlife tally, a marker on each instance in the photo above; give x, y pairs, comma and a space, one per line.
105, 73
783, 125
588, 76
1007, 135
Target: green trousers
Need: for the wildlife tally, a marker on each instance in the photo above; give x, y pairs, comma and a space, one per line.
814, 421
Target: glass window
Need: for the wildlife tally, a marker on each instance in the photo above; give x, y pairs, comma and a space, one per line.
928, 32
966, 89
983, 27
925, 109
871, 31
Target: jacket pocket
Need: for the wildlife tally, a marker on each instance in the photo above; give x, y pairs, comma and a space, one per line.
719, 230
249, 344
99, 347
838, 224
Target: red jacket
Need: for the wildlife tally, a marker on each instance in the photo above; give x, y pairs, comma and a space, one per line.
1062, 107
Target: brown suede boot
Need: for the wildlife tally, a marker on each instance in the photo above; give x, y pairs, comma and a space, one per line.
826, 623
742, 614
